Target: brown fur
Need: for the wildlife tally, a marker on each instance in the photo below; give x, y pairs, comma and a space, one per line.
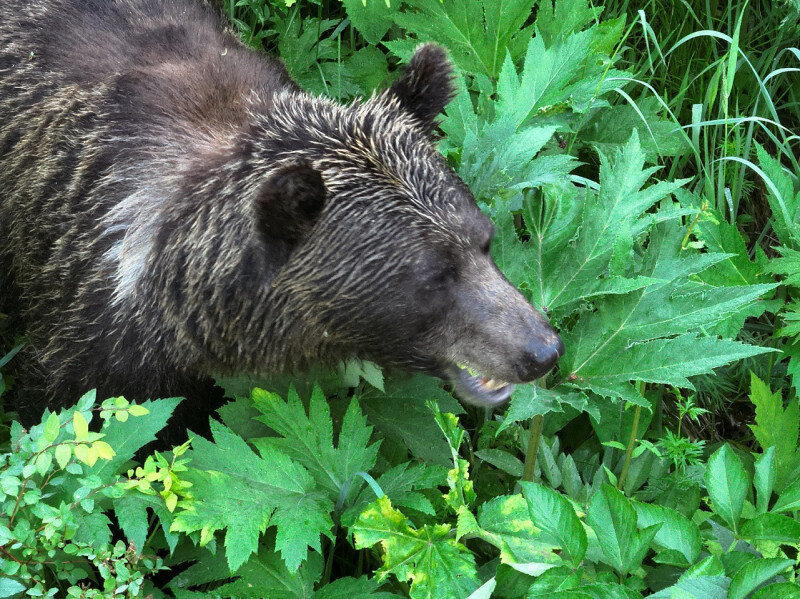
174, 205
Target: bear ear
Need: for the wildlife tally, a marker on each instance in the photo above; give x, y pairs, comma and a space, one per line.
289, 202
426, 85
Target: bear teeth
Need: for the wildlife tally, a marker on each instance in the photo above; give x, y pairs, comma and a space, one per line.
492, 384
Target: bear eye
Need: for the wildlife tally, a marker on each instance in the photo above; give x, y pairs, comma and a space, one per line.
486, 246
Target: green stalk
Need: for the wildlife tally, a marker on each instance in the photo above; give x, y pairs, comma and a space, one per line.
629, 451
533, 447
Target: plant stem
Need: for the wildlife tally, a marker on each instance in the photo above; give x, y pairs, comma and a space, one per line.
533, 447
629, 451
329, 562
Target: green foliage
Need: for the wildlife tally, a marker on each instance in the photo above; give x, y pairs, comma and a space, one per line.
640, 171
57, 486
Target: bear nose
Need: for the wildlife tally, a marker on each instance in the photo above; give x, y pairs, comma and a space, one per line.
539, 357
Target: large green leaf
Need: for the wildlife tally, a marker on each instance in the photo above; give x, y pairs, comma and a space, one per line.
764, 474
478, 33
754, 574
308, 439
127, 439
677, 533
695, 587
613, 520
399, 413
783, 200
777, 427
557, 19
772, 527
242, 492
784, 590
646, 305
605, 590
266, 575
554, 515
371, 17
402, 485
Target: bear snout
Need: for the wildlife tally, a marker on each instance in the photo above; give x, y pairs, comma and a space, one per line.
539, 356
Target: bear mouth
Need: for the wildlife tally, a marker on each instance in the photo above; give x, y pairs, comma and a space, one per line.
478, 390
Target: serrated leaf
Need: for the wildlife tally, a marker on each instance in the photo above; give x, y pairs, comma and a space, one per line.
776, 427
755, 573
92, 528
554, 515
531, 400
126, 440
436, 564
400, 414
727, 484
485, 590
607, 590
131, 513
695, 587
352, 588
308, 439
610, 128
764, 480
236, 490
477, 32
372, 18
266, 576
503, 460
401, 484
613, 520
784, 590
655, 313
771, 527
789, 499
783, 201
676, 532
557, 19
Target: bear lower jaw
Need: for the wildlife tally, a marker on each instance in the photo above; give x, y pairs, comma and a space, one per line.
476, 390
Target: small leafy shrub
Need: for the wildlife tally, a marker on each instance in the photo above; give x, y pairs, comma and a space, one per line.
56, 487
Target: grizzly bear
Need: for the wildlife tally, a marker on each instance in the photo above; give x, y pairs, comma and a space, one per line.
172, 205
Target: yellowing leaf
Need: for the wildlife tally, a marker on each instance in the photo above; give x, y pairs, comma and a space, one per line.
80, 425
82, 453
104, 450
92, 455
136, 410
436, 564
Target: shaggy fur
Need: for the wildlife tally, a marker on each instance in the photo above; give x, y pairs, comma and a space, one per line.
173, 205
